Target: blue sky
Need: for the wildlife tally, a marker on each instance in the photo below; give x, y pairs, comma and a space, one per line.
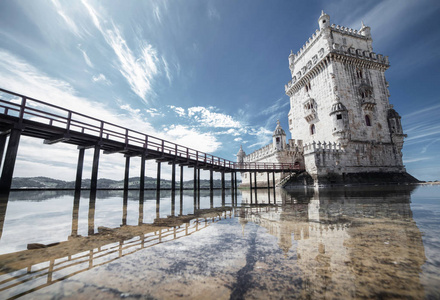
205, 74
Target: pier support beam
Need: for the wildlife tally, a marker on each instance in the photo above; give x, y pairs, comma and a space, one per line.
79, 171
223, 180
255, 180
211, 180
250, 181
198, 179
127, 172
94, 179
3, 137
158, 176
195, 178
9, 162
173, 176
142, 175
181, 179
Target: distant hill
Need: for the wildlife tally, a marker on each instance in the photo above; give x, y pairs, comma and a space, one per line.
103, 183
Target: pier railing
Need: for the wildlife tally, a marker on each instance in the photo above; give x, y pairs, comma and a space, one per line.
23, 108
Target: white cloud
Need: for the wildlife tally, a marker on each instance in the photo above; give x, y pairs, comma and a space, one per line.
212, 119
238, 139
213, 13
185, 136
140, 70
153, 112
101, 78
408, 161
281, 103
70, 23
86, 57
179, 110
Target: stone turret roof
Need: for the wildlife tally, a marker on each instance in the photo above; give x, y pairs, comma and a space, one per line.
278, 130
241, 152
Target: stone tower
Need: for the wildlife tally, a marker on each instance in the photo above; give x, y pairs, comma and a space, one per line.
279, 138
339, 106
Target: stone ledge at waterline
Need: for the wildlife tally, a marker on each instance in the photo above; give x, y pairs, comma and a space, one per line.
364, 178
150, 183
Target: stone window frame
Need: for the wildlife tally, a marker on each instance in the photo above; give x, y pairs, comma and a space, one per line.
368, 120
359, 73
308, 86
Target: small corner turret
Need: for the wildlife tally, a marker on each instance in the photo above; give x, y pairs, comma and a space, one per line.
241, 155
279, 137
365, 31
324, 21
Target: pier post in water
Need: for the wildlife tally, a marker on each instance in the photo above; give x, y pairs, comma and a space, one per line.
79, 170
181, 178
195, 179
250, 181
173, 176
255, 180
3, 137
223, 180
198, 179
127, 172
142, 174
158, 176
95, 165
211, 179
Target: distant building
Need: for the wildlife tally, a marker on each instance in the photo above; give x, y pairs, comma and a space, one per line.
344, 128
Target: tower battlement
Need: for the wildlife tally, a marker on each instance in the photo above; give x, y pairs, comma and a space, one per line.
339, 110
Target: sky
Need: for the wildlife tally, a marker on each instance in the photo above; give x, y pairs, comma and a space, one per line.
205, 74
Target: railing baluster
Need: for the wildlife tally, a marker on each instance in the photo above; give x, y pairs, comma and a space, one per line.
22, 108
101, 131
69, 119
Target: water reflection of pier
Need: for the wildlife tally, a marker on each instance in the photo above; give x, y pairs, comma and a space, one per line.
349, 243
43, 265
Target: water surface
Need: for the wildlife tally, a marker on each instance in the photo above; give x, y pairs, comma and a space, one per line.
375, 242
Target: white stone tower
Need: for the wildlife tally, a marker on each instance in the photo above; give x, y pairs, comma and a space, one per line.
241, 155
279, 138
339, 106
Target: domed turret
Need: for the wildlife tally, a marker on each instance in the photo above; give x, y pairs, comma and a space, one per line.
241, 155
291, 61
365, 31
279, 137
324, 21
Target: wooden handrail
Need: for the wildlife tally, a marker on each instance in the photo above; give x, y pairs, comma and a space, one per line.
74, 120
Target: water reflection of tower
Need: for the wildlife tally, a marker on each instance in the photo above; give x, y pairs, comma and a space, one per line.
349, 242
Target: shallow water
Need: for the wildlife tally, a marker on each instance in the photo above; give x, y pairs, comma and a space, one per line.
375, 242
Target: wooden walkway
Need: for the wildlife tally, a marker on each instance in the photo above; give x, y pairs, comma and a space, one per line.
22, 115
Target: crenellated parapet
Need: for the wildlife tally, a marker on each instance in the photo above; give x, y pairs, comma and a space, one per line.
292, 149
322, 146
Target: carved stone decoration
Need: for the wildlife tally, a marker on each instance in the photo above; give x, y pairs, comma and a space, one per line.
310, 110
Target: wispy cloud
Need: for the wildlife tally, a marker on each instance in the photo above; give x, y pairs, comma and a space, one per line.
86, 57
179, 110
413, 160
213, 13
279, 104
70, 23
209, 118
139, 70
189, 137
101, 78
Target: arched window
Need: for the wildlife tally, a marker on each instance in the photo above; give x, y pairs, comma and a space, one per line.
312, 129
367, 120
